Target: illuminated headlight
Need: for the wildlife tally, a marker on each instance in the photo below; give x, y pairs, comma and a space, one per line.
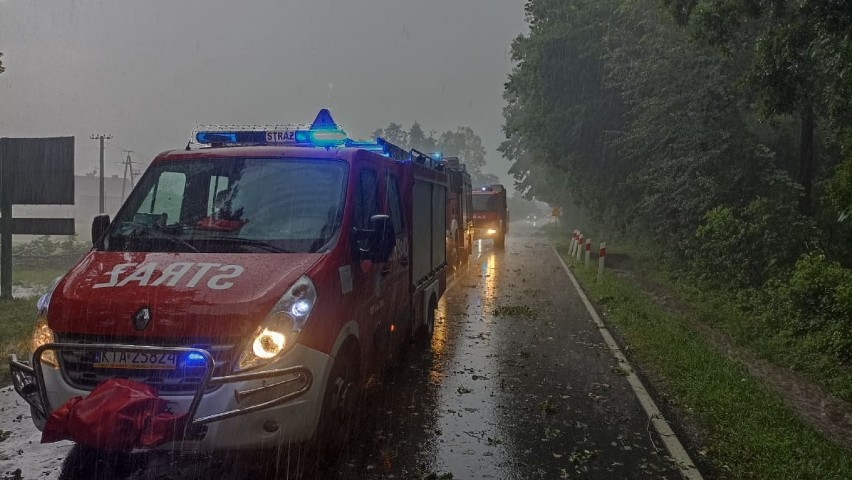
491, 231
43, 335
279, 330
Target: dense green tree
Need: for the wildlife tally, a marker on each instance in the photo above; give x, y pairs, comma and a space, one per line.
466, 145
802, 62
417, 139
463, 143
394, 133
614, 107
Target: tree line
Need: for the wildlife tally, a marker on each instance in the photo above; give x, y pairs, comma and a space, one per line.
461, 142
718, 130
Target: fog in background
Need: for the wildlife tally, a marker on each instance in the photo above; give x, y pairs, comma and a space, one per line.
147, 71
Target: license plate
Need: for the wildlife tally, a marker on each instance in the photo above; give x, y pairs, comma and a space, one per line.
135, 360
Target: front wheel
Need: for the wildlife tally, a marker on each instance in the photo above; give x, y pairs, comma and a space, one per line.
342, 393
500, 241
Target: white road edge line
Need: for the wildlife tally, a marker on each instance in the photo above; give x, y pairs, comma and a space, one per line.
673, 445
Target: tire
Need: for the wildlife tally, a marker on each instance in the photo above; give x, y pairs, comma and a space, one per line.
340, 401
427, 330
500, 242
85, 462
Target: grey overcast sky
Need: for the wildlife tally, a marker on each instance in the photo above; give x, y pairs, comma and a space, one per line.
146, 71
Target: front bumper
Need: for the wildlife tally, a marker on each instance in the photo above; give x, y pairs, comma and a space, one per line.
247, 410
486, 232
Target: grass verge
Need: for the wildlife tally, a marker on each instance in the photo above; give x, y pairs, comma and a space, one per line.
17, 318
749, 432
36, 276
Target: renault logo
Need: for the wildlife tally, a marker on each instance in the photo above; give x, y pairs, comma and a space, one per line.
142, 318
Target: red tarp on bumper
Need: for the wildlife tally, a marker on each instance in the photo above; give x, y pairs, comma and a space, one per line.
119, 414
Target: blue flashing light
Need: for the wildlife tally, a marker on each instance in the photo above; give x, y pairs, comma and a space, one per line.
323, 132
365, 145
324, 121
216, 137
327, 138
437, 156
302, 136
195, 358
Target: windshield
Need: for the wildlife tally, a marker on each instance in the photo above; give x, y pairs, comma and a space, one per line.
250, 205
486, 203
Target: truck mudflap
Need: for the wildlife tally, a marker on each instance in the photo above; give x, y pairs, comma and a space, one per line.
28, 381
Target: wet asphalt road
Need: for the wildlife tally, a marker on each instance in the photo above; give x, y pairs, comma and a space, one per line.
517, 384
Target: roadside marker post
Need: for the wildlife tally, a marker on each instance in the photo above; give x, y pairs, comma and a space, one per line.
588, 251
601, 260
573, 242
580, 244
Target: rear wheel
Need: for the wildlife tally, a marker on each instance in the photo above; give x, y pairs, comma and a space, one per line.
425, 332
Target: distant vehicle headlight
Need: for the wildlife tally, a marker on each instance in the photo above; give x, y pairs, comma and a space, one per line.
281, 327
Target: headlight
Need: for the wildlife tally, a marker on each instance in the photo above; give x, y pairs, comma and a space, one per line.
43, 335
279, 330
491, 231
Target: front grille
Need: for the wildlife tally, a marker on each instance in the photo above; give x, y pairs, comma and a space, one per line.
79, 372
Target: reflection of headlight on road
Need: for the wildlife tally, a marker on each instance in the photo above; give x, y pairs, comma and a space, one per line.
491, 231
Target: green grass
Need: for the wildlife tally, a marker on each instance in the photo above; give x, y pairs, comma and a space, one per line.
17, 318
740, 317
36, 276
749, 432
806, 354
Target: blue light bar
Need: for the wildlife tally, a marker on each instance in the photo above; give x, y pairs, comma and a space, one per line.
323, 132
365, 145
326, 138
216, 137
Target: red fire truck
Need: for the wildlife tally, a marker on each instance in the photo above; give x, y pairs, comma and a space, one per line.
491, 214
459, 206
254, 280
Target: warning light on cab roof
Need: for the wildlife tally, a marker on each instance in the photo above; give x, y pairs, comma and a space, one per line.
323, 132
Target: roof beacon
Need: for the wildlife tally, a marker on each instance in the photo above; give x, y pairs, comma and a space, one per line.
323, 132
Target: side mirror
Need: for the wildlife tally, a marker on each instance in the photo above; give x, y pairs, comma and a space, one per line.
99, 226
377, 243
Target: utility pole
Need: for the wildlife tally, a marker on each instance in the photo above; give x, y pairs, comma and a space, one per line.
102, 137
128, 167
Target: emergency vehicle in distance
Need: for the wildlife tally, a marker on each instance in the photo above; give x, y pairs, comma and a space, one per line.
256, 282
491, 214
459, 211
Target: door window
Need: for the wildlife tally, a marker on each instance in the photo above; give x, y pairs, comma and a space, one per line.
394, 203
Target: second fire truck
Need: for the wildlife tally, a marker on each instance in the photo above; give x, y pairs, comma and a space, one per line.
491, 214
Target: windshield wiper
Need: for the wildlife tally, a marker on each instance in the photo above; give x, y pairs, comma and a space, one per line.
161, 234
250, 242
